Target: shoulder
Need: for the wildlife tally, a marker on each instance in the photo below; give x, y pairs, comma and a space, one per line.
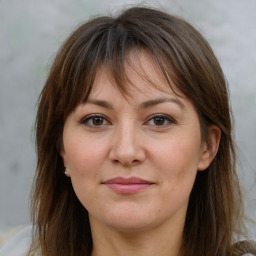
245, 248
19, 244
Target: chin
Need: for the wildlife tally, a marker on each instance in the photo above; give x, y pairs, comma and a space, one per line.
131, 219
132, 225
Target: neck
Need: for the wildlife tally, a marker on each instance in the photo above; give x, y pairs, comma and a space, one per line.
161, 240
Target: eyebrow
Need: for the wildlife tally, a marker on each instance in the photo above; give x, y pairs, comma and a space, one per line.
145, 104
157, 101
101, 103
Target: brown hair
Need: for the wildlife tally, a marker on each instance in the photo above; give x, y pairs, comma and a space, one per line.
214, 215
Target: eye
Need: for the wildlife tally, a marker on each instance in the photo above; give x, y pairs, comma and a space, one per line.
160, 120
95, 121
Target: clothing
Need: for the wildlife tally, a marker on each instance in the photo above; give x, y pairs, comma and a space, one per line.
19, 244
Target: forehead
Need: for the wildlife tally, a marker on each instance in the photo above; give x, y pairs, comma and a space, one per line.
142, 76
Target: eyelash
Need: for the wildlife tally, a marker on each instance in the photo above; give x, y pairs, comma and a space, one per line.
91, 118
167, 120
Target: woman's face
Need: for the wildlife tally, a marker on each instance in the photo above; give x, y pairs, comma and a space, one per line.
133, 160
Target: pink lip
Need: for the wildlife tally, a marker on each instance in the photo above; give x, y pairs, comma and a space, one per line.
127, 185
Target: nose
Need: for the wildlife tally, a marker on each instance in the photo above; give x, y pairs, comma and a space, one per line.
127, 147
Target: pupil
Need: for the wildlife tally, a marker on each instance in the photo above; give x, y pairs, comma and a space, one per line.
159, 121
97, 120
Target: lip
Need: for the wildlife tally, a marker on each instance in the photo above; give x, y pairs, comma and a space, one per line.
129, 185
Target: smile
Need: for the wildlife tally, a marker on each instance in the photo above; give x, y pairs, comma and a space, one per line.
130, 185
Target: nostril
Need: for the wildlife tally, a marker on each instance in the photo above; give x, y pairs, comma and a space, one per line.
126, 163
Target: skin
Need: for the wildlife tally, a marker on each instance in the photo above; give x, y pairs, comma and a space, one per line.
129, 139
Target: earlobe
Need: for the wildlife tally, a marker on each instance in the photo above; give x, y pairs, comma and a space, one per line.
209, 147
66, 169
67, 172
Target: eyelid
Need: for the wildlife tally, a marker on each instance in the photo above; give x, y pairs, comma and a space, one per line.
85, 120
170, 119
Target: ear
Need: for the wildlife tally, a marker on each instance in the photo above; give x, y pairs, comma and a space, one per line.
209, 147
65, 163
62, 154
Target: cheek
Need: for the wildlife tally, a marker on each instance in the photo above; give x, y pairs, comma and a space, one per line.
178, 162
179, 156
85, 164
179, 170
84, 155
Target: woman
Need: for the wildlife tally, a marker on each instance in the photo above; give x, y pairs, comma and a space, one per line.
135, 112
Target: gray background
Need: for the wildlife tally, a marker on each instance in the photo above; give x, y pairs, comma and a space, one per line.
32, 31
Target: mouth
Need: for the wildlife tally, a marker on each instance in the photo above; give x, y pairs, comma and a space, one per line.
130, 185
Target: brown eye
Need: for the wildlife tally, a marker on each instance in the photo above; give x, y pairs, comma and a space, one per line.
160, 121
95, 121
